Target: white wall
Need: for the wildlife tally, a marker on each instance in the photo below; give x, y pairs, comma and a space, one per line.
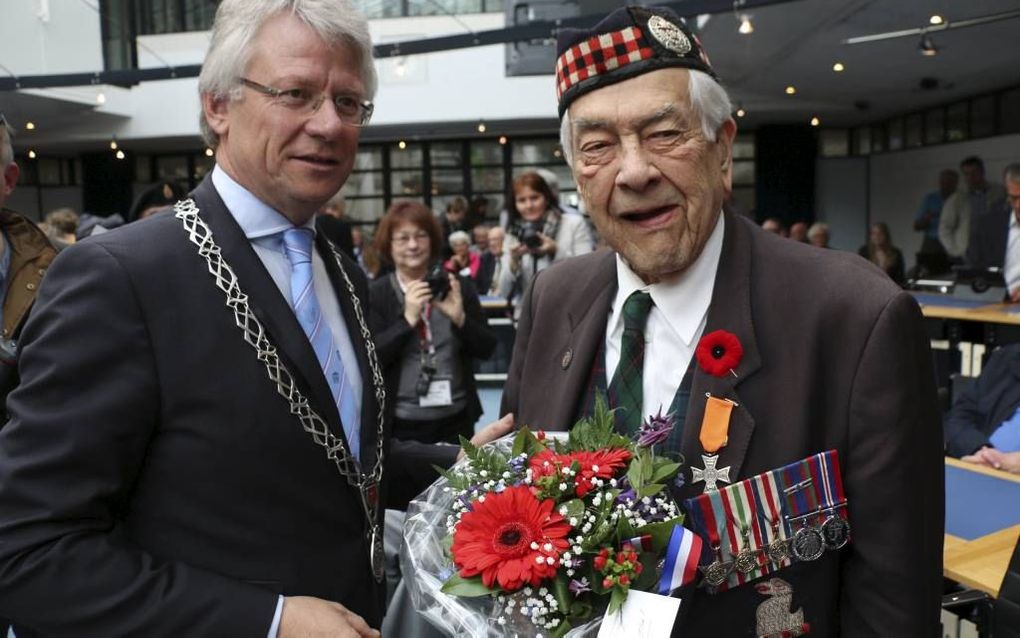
899, 181
50, 36
841, 200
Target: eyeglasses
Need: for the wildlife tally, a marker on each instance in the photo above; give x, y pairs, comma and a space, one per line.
352, 110
400, 240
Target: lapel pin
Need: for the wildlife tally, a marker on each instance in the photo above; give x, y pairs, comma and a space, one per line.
568, 356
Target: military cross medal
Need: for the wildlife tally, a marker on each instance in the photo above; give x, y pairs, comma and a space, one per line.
714, 435
711, 474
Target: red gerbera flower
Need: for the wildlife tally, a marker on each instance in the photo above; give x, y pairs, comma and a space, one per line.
608, 462
512, 538
719, 352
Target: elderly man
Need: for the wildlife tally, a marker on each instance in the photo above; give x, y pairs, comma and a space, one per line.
25, 254
964, 207
995, 241
213, 465
648, 135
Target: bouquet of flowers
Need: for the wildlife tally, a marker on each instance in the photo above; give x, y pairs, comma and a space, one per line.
538, 535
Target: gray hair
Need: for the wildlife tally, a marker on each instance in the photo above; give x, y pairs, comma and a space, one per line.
237, 23
1012, 174
458, 237
817, 227
6, 150
708, 99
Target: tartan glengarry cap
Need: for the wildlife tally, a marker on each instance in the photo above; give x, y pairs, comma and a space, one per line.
628, 42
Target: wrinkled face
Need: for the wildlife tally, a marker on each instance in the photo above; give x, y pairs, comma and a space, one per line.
291, 160
651, 181
409, 248
496, 237
481, 237
530, 203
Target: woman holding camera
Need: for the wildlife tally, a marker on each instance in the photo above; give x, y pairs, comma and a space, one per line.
427, 325
539, 233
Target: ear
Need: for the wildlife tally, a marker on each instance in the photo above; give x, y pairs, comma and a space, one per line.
724, 148
10, 178
215, 110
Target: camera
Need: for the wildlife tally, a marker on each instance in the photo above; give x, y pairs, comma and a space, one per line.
438, 280
528, 234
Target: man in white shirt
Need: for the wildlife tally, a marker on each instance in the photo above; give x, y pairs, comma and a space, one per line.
995, 241
965, 206
837, 361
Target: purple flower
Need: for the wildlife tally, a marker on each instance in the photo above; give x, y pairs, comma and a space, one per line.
655, 430
578, 587
626, 496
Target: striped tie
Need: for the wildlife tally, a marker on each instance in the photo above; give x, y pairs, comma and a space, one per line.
626, 390
298, 244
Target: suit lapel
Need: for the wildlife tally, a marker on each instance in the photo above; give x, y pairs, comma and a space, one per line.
369, 405
587, 324
730, 310
268, 305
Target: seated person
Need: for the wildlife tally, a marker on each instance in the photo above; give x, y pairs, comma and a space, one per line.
983, 426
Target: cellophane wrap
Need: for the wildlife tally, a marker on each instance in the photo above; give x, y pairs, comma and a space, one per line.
425, 563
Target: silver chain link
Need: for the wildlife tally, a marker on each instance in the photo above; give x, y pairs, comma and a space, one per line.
255, 334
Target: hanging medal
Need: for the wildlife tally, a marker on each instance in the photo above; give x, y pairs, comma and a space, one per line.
712, 518
835, 528
802, 506
714, 435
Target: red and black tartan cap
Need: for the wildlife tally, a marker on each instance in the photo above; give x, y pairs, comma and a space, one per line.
628, 42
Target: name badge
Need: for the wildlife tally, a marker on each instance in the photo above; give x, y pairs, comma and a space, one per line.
643, 615
439, 394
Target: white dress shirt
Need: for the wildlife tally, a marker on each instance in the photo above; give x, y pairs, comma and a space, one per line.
1011, 264
675, 322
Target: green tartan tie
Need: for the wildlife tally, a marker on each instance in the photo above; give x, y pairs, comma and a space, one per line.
625, 391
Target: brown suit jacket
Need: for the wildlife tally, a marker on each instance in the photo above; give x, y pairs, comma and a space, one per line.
834, 357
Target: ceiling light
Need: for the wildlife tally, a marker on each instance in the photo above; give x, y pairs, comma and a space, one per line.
502, 139
401, 144
120, 155
30, 126
31, 155
746, 28
209, 152
100, 98
113, 144
927, 47
838, 67
815, 121
481, 127
741, 112
790, 90
935, 19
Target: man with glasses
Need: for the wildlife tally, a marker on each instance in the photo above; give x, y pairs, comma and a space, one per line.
212, 465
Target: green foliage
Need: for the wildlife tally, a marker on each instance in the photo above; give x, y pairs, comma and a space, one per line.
473, 587
597, 432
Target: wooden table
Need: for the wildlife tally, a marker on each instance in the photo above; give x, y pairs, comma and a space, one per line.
981, 563
973, 328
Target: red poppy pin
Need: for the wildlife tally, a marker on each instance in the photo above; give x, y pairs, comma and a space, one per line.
719, 352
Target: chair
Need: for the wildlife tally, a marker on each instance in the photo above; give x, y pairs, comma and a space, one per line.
1006, 608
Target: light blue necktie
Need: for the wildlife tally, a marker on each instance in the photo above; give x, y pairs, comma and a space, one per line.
298, 244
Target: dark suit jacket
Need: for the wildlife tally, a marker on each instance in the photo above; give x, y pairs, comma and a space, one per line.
834, 357
392, 333
152, 481
988, 236
982, 408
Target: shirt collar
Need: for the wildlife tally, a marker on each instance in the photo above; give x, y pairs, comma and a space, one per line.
256, 218
683, 301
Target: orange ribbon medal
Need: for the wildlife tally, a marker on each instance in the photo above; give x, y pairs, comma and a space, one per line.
714, 435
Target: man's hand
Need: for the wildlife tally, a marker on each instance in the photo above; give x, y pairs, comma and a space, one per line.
307, 617
991, 457
491, 432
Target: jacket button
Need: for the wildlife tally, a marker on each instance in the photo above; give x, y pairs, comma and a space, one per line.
42, 271
568, 356
30, 286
